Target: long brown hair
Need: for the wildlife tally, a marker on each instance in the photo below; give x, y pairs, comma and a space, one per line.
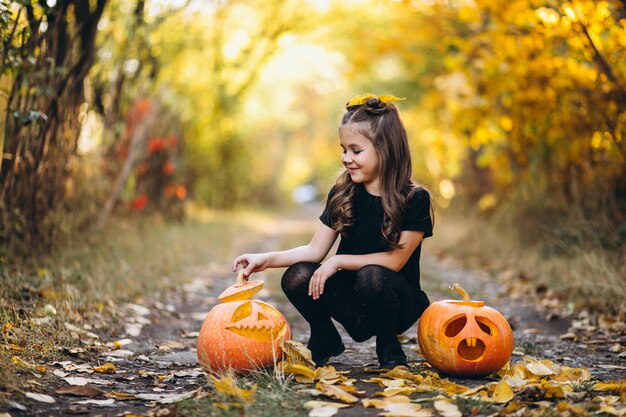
380, 123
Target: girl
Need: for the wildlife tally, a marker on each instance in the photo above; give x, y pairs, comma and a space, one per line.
371, 285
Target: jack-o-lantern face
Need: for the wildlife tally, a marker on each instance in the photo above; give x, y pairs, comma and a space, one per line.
258, 321
464, 338
241, 335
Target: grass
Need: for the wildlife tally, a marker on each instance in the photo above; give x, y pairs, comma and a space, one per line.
580, 258
473, 406
83, 281
275, 396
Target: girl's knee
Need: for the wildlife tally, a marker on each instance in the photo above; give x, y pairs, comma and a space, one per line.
297, 277
370, 278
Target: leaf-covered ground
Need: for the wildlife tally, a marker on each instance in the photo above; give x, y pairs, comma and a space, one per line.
138, 357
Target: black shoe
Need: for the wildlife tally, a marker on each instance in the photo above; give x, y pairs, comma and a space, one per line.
392, 363
389, 352
322, 357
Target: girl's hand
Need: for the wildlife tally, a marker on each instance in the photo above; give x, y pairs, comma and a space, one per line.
320, 276
251, 262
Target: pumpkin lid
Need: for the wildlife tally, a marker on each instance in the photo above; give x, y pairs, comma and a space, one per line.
241, 290
471, 303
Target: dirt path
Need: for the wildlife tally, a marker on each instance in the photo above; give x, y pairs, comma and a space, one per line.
155, 361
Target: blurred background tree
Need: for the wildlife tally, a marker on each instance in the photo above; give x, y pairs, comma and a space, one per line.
516, 110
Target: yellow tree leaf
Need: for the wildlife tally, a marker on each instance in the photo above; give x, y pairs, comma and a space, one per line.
502, 393
335, 392
107, 368
226, 385
296, 353
298, 369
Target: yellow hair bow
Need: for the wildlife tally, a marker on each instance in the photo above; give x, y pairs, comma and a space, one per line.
361, 99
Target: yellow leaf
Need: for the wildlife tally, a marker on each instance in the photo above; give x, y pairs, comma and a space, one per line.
107, 368
393, 391
402, 372
502, 393
619, 386
327, 372
398, 406
119, 395
539, 368
451, 387
552, 390
297, 369
362, 98
336, 393
296, 353
226, 385
16, 348
318, 404
22, 363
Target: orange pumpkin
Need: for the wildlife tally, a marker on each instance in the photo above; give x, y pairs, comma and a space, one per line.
464, 337
241, 335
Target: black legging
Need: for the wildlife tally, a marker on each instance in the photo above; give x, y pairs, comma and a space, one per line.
373, 301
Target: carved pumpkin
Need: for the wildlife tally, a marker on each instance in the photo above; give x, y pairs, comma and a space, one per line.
464, 337
241, 335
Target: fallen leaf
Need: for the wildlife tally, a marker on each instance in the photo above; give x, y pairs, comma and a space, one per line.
328, 373
226, 385
40, 397
120, 395
80, 391
100, 403
133, 329
298, 369
619, 386
323, 412
398, 406
120, 353
167, 398
296, 353
27, 365
447, 408
76, 329
168, 345
317, 404
402, 372
323, 408
336, 393
107, 368
393, 391
79, 381
502, 393
539, 368
122, 342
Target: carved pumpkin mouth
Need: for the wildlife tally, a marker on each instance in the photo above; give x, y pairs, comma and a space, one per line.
258, 322
471, 349
260, 332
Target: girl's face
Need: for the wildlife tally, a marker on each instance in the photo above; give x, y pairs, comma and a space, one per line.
360, 158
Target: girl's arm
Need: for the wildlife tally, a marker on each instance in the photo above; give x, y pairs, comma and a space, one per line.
315, 251
394, 259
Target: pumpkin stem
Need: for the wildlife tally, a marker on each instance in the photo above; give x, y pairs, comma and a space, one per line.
464, 295
239, 281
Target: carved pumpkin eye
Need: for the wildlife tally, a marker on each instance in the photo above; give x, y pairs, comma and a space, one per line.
455, 325
487, 326
243, 311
